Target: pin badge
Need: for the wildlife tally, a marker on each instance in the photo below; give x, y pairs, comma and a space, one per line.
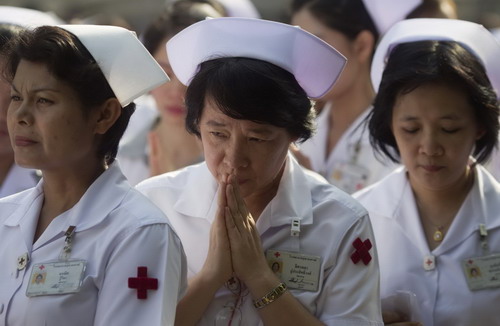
22, 261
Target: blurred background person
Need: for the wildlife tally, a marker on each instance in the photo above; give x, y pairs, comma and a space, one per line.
157, 140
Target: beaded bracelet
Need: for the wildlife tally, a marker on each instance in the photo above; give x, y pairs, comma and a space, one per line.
271, 296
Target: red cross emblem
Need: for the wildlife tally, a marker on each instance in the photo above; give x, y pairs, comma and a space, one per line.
277, 254
361, 253
142, 283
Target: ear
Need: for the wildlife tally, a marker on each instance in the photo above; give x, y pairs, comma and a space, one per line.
480, 133
363, 46
107, 114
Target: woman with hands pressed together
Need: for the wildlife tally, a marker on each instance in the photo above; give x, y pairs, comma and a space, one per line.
250, 205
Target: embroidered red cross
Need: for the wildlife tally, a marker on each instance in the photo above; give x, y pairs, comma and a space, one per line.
277, 254
361, 253
142, 282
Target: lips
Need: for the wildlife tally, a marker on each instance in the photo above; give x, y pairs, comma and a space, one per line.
23, 141
432, 168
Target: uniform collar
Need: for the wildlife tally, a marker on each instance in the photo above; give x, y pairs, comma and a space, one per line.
92, 208
481, 205
293, 199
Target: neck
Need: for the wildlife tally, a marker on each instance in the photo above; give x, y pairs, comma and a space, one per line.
438, 208
178, 148
6, 163
349, 105
63, 189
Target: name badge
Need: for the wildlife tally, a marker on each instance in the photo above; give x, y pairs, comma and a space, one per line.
349, 177
59, 277
296, 270
482, 272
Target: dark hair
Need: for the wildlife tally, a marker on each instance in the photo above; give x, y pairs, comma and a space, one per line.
350, 17
431, 9
176, 17
411, 65
7, 32
250, 89
69, 61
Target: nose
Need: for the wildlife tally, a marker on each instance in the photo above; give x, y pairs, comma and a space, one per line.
20, 112
236, 155
430, 145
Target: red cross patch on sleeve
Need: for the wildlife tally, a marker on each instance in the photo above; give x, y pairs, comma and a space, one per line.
142, 283
362, 251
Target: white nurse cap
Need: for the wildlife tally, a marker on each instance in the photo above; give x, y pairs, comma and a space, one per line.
474, 37
128, 67
27, 18
315, 64
386, 13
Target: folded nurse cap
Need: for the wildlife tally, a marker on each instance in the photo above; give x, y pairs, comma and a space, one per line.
315, 64
27, 18
473, 37
128, 67
386, 13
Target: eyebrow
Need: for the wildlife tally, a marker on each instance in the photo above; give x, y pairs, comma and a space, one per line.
40, 89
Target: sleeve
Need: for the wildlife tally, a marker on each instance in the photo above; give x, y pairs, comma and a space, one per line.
157, 248
351, 292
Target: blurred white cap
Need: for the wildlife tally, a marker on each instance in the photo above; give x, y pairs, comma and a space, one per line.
473, 37
128, 67
315, 64
386, 13
27, 18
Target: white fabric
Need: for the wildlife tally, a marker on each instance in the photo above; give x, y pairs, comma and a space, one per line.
27, 18
386, 13
129, 68
315, 149
442, 293
330, 222
315, 64
117, 230
18, 179
474, 37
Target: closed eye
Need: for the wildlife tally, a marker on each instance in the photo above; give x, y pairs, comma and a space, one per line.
217, 134
42, 100
410, 130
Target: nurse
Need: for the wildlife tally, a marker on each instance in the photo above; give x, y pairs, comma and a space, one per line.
436, 218
341, 150
13, 20
250, 205
82, 247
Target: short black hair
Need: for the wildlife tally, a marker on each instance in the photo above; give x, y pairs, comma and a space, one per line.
69, 61
250, 89
414, 64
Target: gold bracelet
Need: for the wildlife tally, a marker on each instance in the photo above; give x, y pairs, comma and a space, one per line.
271, 296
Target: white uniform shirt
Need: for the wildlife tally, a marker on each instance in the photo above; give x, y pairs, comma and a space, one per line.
442, 293
330, 222
352, 164
17, 180
117, 230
